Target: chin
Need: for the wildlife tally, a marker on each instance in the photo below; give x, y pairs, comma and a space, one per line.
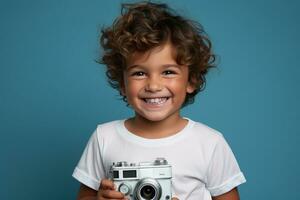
154, 117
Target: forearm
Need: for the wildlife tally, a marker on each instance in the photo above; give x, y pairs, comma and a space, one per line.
86, 193
87, 198
231, 195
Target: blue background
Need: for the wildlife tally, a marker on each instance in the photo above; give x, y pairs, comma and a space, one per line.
53, 94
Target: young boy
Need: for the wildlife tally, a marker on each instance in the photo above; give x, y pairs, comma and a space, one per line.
158, 61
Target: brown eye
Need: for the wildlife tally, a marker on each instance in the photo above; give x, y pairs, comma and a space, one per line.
138, 73
169, 72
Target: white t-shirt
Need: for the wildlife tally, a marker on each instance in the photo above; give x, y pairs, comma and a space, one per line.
203, 164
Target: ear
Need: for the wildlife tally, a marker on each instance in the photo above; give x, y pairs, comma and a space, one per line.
122, 86
122, 90
190, 88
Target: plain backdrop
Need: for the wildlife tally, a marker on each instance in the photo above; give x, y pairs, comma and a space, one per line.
53, 93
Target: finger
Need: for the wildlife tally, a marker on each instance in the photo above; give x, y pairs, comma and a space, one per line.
111, 194
107, 185
175, 198
102, 198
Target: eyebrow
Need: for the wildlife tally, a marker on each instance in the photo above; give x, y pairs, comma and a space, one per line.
165, 66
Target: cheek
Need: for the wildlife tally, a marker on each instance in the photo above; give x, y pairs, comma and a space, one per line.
131, 89
178, 85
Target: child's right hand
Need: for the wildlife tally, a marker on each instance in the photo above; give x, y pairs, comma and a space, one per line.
107, 190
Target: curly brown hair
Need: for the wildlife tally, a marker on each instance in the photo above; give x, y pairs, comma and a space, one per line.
146, 25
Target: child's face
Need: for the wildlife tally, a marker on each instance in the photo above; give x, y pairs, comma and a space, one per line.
155, 85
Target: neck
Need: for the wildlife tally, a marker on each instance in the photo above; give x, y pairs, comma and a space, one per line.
155, 129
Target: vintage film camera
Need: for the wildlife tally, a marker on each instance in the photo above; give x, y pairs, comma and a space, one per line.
143, 181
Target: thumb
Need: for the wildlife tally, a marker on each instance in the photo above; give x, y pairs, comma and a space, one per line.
175, 198
107, 184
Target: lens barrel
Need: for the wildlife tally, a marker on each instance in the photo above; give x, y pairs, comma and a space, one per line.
147, 189
148, 192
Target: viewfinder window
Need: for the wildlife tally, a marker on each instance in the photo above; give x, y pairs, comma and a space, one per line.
116, 174
129, 173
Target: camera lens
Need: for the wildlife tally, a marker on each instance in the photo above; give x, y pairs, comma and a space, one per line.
148, 192
147, 189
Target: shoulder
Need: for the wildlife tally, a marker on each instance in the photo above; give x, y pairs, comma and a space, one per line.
204, 134
108, 125
105, 130
206, 131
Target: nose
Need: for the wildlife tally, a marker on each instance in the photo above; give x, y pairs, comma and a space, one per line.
154, 84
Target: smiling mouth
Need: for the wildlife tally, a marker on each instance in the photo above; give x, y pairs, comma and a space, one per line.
155, 101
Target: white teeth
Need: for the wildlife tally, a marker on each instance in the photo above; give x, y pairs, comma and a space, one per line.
156, 100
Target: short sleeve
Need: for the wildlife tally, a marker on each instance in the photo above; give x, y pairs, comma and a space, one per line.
223, 172
89, 170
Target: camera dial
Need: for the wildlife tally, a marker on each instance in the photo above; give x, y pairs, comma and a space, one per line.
124, 188
160, 161
122, 164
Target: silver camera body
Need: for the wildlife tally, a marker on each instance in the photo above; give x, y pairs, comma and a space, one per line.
144, 180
